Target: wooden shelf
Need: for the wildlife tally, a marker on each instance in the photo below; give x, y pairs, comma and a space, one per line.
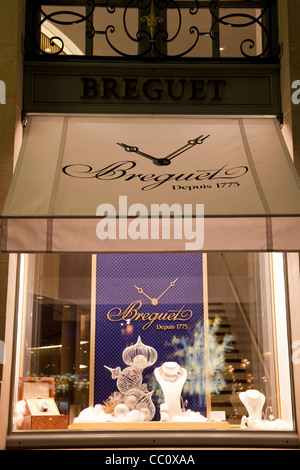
150, 426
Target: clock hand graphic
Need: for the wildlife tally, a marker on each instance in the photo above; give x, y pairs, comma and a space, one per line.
166, 160
140, 291
157, 161
155, 301
191, 143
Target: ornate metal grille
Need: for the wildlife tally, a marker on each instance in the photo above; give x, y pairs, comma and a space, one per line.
153, 29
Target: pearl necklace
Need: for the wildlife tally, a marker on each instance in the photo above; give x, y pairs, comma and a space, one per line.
171, 377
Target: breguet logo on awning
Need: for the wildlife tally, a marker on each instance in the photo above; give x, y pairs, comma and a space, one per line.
122, 170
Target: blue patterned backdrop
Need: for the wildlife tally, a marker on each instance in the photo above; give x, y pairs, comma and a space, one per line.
174, 340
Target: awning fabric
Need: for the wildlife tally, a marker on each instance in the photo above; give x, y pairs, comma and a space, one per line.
237, 169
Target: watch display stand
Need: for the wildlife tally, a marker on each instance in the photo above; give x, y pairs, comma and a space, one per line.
40, 410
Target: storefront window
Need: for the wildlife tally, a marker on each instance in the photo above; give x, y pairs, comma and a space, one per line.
55, 340
178, 340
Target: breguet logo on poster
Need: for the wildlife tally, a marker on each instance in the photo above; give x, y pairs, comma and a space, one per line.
178, 318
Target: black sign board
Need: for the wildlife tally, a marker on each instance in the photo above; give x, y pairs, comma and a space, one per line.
157, 88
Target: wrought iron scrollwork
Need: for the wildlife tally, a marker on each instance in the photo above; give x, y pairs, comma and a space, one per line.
249, 20
154, 40
152, 36
54, 19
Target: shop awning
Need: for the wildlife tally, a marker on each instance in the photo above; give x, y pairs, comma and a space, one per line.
97, 183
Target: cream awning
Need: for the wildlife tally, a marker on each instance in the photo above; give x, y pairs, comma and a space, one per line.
239, 169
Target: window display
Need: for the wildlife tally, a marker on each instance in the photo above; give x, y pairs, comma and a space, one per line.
154, 300
152, 341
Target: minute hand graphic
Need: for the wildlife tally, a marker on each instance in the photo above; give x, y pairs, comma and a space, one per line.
191, 143
171, 285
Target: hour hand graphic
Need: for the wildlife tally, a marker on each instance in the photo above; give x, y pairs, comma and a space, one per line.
140, 291
157, 161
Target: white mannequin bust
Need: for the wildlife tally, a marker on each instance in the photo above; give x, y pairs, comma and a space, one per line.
171, 377
254, 401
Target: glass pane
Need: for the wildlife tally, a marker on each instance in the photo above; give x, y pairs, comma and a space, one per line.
57, 327
240, 301
105, 339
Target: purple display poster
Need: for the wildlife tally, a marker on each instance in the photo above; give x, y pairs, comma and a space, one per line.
159, 298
